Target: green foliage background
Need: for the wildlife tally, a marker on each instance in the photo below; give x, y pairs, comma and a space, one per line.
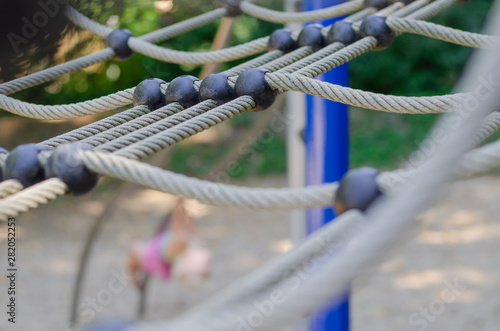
413, 65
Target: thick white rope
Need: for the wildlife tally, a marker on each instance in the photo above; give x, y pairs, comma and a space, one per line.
31, 197
205, 191
180, 57
307, 16
440, 32
67, 111
9, 186
368, 100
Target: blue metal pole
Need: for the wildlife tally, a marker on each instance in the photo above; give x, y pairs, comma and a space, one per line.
327, 160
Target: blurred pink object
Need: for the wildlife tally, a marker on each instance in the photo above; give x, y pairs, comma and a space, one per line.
152, 261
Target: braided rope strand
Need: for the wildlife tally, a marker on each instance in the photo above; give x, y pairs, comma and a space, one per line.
300, 17
440, 32
68, 111
9, 186
31, 197
358, 98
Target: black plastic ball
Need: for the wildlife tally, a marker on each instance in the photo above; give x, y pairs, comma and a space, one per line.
358, 189
182, 90
149, 93
216, 87
232, 7
312, 36
66, 163
379, 4
22, 164
110, 324
252, 82
118, 41
376, 26
281, 39
2, 151
342, 32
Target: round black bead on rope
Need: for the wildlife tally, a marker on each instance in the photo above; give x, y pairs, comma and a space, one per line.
149, 93
232, 7
118, 41
253, 82
110, 324
181, 90
22, 164
2, 151
342, 32
376, 26
312, 36
66, 163
216, 87
379, 4
358, 189
281, 39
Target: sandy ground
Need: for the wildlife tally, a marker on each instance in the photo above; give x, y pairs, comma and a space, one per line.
443, 275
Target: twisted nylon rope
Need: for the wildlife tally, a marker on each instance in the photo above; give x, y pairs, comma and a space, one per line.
180, 57
308, 16
205, 191
86, 23
57, 71
186, 129
9, 186
136, 136
433, 9
133, 125
257, 62
440, 32
58, 112
96, 127
388, 180
479, 161
31, 198
358, 98
184, 26
490, 125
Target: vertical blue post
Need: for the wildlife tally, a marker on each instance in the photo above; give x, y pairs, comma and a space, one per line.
327, 160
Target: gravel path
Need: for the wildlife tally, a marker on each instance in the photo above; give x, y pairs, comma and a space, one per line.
443, 275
